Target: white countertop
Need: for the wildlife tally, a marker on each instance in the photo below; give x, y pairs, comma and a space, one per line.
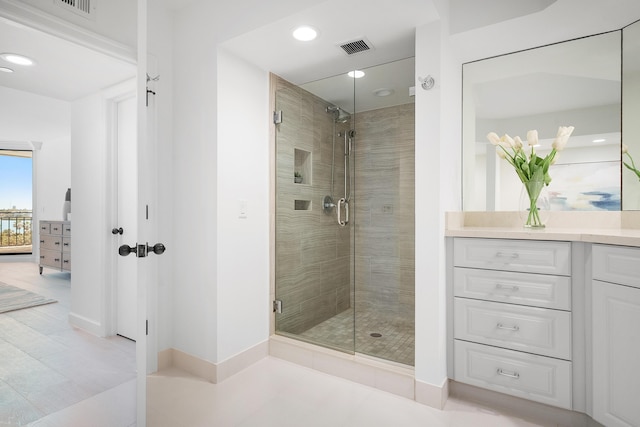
612, 228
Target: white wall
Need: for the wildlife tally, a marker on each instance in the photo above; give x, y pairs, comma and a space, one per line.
243, 175
204, 325
88, 173
437, 191
53, 177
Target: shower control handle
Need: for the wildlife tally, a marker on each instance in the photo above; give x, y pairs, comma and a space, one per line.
343, 202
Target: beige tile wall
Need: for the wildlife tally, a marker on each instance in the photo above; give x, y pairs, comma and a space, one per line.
384, 213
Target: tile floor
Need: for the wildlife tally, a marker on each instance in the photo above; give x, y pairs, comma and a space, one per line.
396, 342
47, 366
272, 392
277, 393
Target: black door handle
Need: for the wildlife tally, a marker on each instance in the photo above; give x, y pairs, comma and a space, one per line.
125, 250
141, 251
117, 231
157, 249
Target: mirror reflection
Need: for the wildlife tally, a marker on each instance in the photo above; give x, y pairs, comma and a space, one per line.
630, 112
575, 83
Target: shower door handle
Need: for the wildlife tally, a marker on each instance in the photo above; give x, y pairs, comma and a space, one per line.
343, 202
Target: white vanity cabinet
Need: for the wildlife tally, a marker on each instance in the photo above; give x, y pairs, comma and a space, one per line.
616, 335
512, 319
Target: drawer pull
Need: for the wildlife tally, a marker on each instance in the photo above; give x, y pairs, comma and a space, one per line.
513, 328
512, 255
513, 288
513, 375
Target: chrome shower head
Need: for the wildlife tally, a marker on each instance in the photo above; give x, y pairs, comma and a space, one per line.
339, 115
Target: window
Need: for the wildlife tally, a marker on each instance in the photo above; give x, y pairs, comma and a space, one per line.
16, 195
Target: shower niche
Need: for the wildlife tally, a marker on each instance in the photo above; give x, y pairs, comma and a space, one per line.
302, 166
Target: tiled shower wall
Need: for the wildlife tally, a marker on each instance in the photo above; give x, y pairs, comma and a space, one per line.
384, 215
312, 251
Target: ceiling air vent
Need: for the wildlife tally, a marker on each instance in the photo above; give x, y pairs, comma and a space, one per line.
84, 8
356, 46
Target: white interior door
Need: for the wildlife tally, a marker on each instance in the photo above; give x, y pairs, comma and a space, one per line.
127, 200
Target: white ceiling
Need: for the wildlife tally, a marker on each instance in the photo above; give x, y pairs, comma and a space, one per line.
388, 25
63, 70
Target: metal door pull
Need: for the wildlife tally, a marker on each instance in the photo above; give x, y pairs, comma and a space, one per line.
514, 375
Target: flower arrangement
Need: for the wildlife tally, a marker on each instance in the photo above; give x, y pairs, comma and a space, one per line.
632, 166
532, 170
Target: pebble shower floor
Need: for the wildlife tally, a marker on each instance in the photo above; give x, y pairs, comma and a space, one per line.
397, 342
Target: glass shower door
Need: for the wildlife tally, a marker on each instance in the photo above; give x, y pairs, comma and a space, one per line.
314, 285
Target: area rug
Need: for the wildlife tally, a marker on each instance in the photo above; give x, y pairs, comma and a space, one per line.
12, 298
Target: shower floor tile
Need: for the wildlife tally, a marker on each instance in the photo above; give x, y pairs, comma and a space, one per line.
396, 342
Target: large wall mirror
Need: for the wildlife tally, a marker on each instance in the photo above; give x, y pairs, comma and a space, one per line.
631, 113
574, 83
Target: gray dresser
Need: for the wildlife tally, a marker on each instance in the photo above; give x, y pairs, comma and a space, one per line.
55, 245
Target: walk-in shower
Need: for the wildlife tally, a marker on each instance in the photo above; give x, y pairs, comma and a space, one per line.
344, 220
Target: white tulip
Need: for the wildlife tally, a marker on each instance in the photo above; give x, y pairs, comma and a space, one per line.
562, 137
517, 142
493, 138
500, 152
532, 138
625, 148
507, 141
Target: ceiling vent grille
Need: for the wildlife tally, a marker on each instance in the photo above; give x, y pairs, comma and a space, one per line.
81, 7
356, 46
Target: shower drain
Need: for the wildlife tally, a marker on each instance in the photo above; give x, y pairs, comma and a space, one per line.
375, 335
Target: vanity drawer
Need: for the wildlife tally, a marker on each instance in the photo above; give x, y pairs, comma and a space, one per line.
616, 264
537, 290
528, 256
66, 229
531, 329
538, 378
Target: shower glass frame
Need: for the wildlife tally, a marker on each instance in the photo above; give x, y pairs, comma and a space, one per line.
325, 300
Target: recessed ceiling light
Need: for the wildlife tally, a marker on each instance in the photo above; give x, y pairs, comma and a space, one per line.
17, 59
383, 92
595, 141
355, 74
305, 33
6, 70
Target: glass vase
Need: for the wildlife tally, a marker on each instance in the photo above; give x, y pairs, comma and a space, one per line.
534, 203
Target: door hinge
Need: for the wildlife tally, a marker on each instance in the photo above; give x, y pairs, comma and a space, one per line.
277, 117
147, 328
277, 306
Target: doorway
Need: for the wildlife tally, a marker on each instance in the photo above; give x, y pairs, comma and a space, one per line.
16, 210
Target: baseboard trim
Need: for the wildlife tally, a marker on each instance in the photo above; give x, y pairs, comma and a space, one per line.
432, 395
209, 371
86, 324
529, 410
